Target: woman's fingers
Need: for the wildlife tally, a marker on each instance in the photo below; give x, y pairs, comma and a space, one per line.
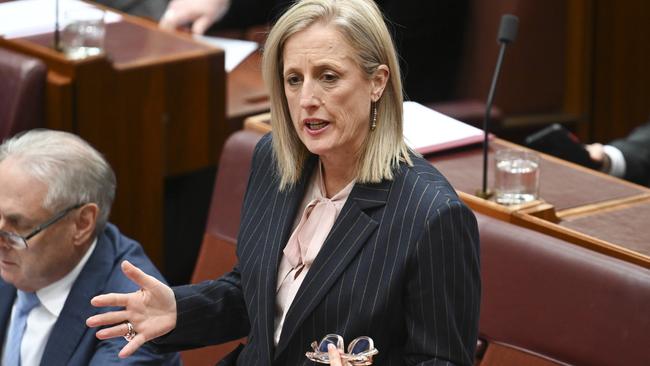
118, 330
132, 346
112, 317
110, 300
335, 357
140, 278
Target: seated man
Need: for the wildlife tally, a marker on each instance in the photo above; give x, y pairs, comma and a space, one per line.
627, 158
57, 251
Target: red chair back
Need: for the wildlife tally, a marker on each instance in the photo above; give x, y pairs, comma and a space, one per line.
22, 93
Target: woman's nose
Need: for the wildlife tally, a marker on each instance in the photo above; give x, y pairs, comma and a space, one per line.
309, 97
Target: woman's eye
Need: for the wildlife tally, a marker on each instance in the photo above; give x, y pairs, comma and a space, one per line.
293, 80
328, 77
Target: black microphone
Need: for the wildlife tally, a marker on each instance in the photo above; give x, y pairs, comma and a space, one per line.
57, 35
507, 34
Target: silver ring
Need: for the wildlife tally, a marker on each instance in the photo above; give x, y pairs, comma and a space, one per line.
130, 331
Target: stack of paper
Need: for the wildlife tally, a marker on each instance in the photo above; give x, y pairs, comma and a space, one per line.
236, 50
427, 131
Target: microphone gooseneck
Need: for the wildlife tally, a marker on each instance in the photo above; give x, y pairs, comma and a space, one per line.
507, 34
57, 35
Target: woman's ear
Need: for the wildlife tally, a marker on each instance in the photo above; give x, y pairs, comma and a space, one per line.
379, 80
85, 223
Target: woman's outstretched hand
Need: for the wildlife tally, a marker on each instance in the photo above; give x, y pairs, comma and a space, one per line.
151, 311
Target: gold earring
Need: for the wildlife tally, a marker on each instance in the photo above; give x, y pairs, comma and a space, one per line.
373, 122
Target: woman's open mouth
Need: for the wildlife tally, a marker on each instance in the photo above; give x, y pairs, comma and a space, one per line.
315, 124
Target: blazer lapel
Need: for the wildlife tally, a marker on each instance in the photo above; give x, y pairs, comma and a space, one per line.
285, 208
7, 296
350, 233
71, 324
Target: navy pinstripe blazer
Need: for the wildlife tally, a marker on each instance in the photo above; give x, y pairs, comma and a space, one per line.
400, 265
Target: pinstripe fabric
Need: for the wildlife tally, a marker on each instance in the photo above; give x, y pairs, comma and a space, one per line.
401, 265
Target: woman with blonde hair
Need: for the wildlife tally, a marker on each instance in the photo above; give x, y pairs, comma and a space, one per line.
346, 235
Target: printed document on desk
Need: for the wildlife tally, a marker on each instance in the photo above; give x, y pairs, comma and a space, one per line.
236, 50
428, 131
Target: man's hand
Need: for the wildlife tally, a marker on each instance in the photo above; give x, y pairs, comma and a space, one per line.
598, 155
200, 13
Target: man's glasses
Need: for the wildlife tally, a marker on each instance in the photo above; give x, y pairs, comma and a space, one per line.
360, 350
20, 242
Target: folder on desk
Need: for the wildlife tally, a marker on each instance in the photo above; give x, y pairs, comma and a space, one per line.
428, 131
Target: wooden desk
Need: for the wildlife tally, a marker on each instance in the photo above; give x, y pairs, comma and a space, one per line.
154, 105
578, 205
247, 95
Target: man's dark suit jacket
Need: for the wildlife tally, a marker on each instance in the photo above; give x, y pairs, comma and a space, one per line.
636, 150
401, 265
150, 9
71, 343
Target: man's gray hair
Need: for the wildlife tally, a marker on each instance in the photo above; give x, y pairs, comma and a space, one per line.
73, 171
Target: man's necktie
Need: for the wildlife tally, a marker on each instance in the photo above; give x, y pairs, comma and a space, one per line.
26, 302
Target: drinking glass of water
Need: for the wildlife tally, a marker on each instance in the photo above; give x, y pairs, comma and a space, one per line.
517, 176
83, 32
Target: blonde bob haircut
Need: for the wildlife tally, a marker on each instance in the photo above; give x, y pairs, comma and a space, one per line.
362, 25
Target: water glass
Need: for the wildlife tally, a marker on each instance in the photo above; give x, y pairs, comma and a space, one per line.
83, 32
517, 176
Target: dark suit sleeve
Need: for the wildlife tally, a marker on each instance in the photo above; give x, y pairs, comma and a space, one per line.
636, 150
106, 354
443, 290
246, 13
210, 312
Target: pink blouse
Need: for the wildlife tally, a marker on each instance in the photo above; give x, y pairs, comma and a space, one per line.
305, 242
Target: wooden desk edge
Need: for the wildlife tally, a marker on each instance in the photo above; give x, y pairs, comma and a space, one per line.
581, 239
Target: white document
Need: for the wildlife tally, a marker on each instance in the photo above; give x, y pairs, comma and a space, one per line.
26, 18
236, 50
427, 131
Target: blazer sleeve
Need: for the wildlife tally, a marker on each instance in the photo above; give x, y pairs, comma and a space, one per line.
210, 312
246, 13
444, 289
213, 311
636, 151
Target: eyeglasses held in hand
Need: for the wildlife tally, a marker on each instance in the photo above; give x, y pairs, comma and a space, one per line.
360, 350
20, 242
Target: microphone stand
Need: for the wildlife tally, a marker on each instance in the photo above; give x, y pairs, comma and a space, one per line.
484, 193
507, 34
57, 35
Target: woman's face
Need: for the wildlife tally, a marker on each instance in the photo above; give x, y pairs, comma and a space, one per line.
327, 93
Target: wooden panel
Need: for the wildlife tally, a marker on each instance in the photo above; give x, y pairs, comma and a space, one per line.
247, 95
533, 70
502, 355
579, 64
621, 98
58, 101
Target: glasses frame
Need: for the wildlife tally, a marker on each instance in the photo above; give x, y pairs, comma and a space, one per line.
14, 238
362, 358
